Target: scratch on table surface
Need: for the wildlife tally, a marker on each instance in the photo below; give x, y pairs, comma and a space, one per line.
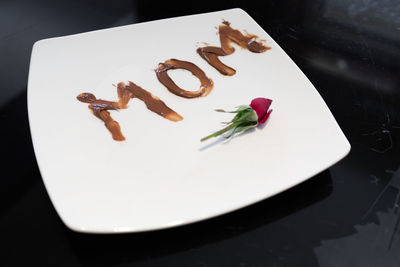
385, 129
386, 126
292, 36
292, 29
375, 180
393, 182
375, 202
370, 240
377, 242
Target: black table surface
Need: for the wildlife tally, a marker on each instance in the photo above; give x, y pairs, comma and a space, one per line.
347, 215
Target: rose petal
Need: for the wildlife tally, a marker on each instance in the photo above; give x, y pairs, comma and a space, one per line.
261, 106
265, 118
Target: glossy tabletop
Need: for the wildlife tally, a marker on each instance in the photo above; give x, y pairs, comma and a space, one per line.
347, 215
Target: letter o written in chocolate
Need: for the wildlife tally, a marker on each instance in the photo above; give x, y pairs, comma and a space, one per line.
206, 84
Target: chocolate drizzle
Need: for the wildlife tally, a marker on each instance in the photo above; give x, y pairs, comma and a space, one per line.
99, 108
226, 36
152, 102
211, 54
125, 93
206, 84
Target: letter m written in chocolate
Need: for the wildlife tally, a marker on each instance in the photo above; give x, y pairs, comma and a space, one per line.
100, 108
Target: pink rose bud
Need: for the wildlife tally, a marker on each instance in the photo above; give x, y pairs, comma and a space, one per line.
261, 106
246, 117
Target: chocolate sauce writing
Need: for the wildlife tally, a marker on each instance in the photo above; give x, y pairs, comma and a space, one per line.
211, 54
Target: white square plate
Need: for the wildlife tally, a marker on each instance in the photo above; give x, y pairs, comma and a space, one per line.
162, 175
